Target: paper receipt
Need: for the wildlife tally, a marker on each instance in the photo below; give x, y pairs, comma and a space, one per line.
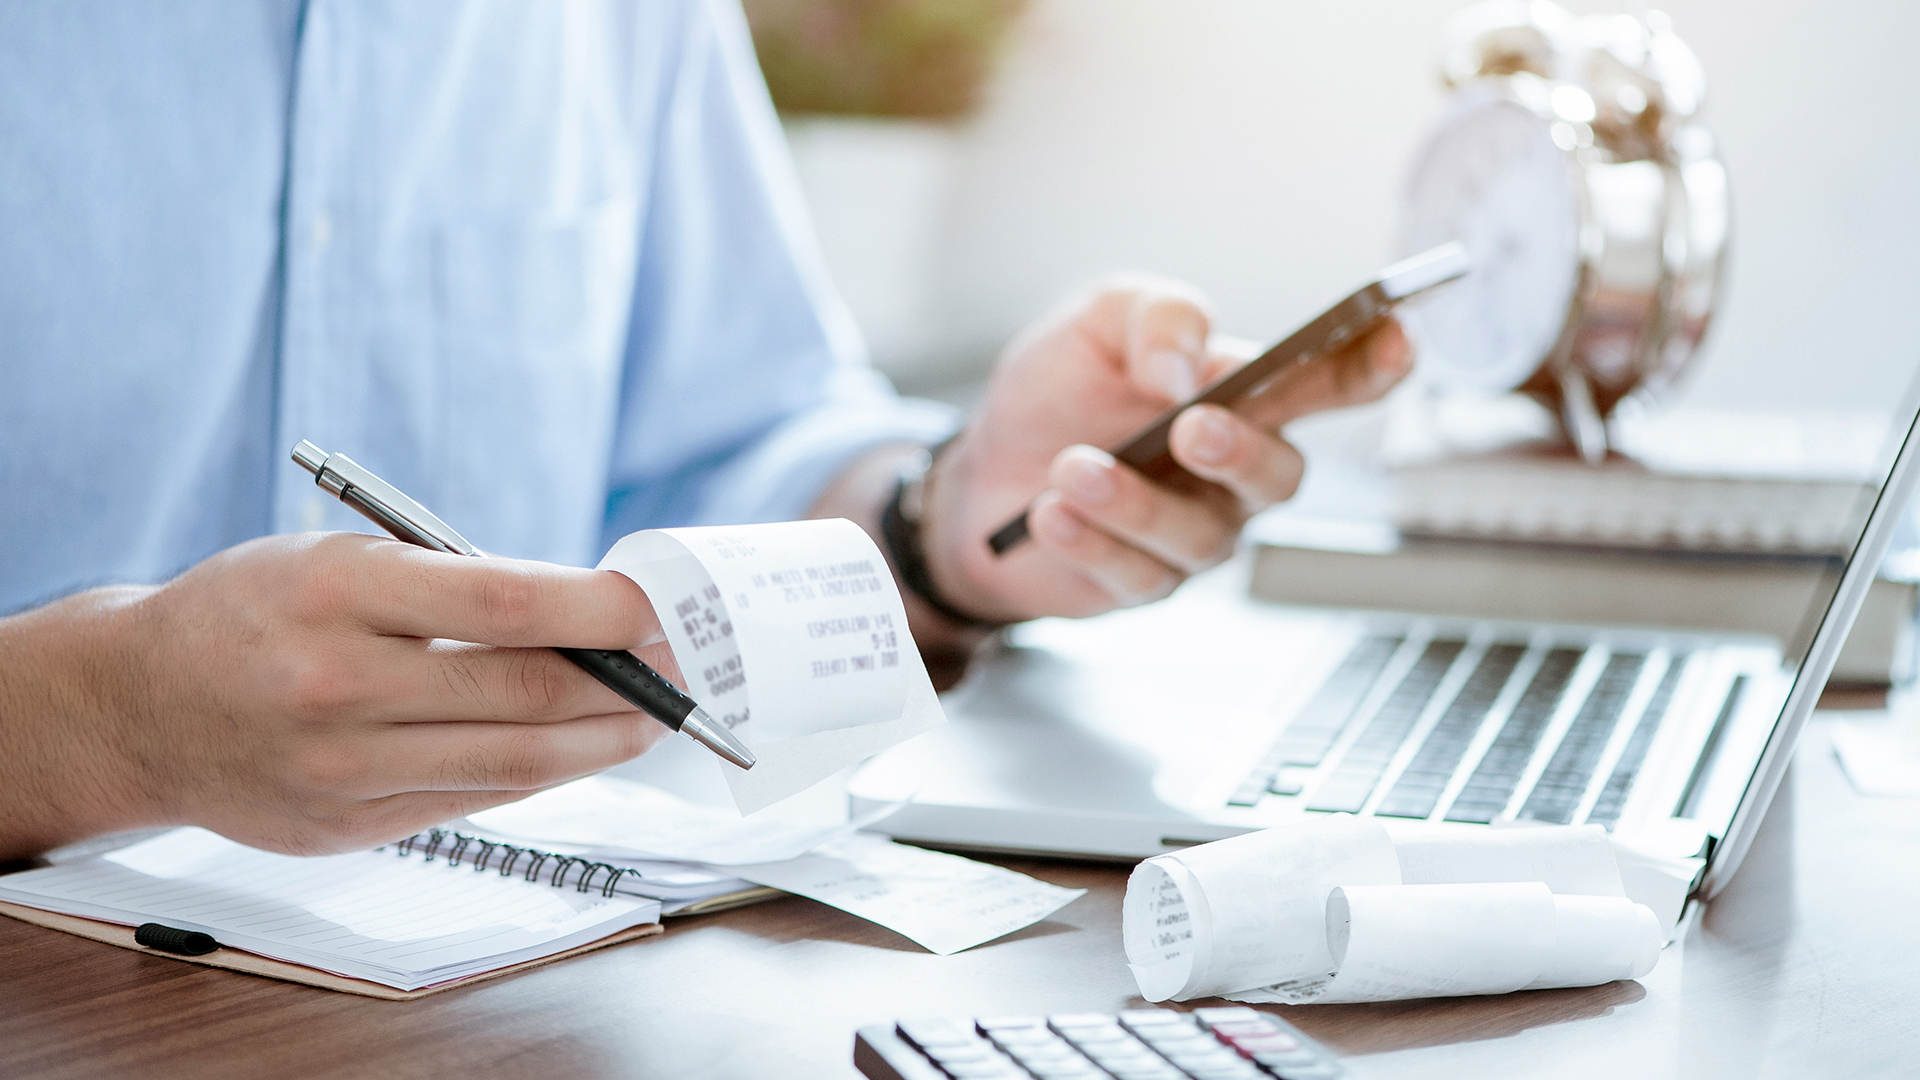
1333, 910
793, 636
944, 902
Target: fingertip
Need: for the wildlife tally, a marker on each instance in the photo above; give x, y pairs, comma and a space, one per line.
1205, 436
1171, 372
1166, 340
1054, 524
1086, 473
1391, 352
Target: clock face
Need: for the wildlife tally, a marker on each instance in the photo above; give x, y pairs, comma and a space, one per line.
1491, 177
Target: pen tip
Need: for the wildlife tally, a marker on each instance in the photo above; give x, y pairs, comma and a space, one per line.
703, 729
310, 457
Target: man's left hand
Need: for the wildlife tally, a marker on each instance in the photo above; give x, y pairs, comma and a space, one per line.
1103, 535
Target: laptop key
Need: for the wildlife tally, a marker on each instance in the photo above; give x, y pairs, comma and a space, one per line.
1359, 769
1569, 771
1288, 782
1612, 797
1418, 789
1491, 785
1320, 721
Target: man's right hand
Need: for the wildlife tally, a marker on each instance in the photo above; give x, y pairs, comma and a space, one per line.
312, 694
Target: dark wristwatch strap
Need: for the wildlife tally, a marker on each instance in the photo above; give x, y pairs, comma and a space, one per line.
901, 534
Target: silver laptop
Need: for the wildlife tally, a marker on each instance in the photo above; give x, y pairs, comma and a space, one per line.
1211, 714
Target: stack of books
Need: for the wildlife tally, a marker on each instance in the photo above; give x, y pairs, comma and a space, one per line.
1711, 521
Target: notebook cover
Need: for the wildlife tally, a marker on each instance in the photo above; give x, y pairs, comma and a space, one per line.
255, 964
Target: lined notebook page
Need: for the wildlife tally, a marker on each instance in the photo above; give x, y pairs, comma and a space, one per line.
404, 922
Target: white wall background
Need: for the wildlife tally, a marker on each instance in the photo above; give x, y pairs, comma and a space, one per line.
1255, 148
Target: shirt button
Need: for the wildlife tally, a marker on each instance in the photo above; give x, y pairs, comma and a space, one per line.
322, 232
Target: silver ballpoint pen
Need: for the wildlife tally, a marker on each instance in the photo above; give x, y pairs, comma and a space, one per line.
622, 672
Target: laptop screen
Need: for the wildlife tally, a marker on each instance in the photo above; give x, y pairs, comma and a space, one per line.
1872, 498
1840, 585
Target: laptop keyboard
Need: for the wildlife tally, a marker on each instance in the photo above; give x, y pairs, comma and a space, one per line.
1606, 808
1418, 789
1491, 786
1309, 756
1557, 793
1356, 774
1319, 723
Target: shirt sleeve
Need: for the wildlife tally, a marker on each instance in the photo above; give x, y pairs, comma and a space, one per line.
746, 387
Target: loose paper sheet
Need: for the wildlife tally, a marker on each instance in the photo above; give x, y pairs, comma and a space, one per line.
610, 817
793, 636
1332, 910
944, 902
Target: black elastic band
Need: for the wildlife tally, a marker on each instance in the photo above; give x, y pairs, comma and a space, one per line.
170, 939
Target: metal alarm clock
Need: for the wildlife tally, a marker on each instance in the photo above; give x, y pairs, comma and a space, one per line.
1570, 161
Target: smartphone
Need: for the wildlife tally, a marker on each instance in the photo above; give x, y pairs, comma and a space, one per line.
1343, 322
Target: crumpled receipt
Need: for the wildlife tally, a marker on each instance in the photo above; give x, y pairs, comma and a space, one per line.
1333, 910
793, 636
944, 902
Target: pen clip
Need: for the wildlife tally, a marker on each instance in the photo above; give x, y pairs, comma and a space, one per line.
343, 477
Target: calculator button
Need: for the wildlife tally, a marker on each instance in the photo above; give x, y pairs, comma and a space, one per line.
930, 1033
1073, 1020
1208, 1055
1319, 1070
1003, 1023
1158, 1070
1227, 1015
1104, 1036
1066, 1069
997, 1069
1023, 1036
959, 1052
1121, 1054
1124, 1047
1180, 1043
1267, 1044
1234, 1029
1135, 1017
1044, 1053
1170, 1025
1154, 1019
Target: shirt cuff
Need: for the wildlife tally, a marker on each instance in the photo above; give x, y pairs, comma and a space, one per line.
782, 474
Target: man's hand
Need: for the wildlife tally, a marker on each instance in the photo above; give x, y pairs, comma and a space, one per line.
309, 694
1103, 535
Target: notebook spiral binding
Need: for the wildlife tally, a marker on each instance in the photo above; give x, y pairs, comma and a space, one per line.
431, 843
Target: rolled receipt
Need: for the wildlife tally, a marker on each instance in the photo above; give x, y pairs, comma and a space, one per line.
793, 636
1247, 911
1410, 941
1333, 910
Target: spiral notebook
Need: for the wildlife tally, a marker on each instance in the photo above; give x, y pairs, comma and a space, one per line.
392, 923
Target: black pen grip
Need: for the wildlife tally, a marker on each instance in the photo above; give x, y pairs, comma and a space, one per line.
627, 675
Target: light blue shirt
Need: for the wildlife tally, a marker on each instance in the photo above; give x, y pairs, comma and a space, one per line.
544, 266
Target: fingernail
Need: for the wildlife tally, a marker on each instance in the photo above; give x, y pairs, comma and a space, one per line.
1054, 522
1212, 438
1173, 372
1089, 475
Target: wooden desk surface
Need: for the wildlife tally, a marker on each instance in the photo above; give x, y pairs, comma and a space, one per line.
1805, 967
